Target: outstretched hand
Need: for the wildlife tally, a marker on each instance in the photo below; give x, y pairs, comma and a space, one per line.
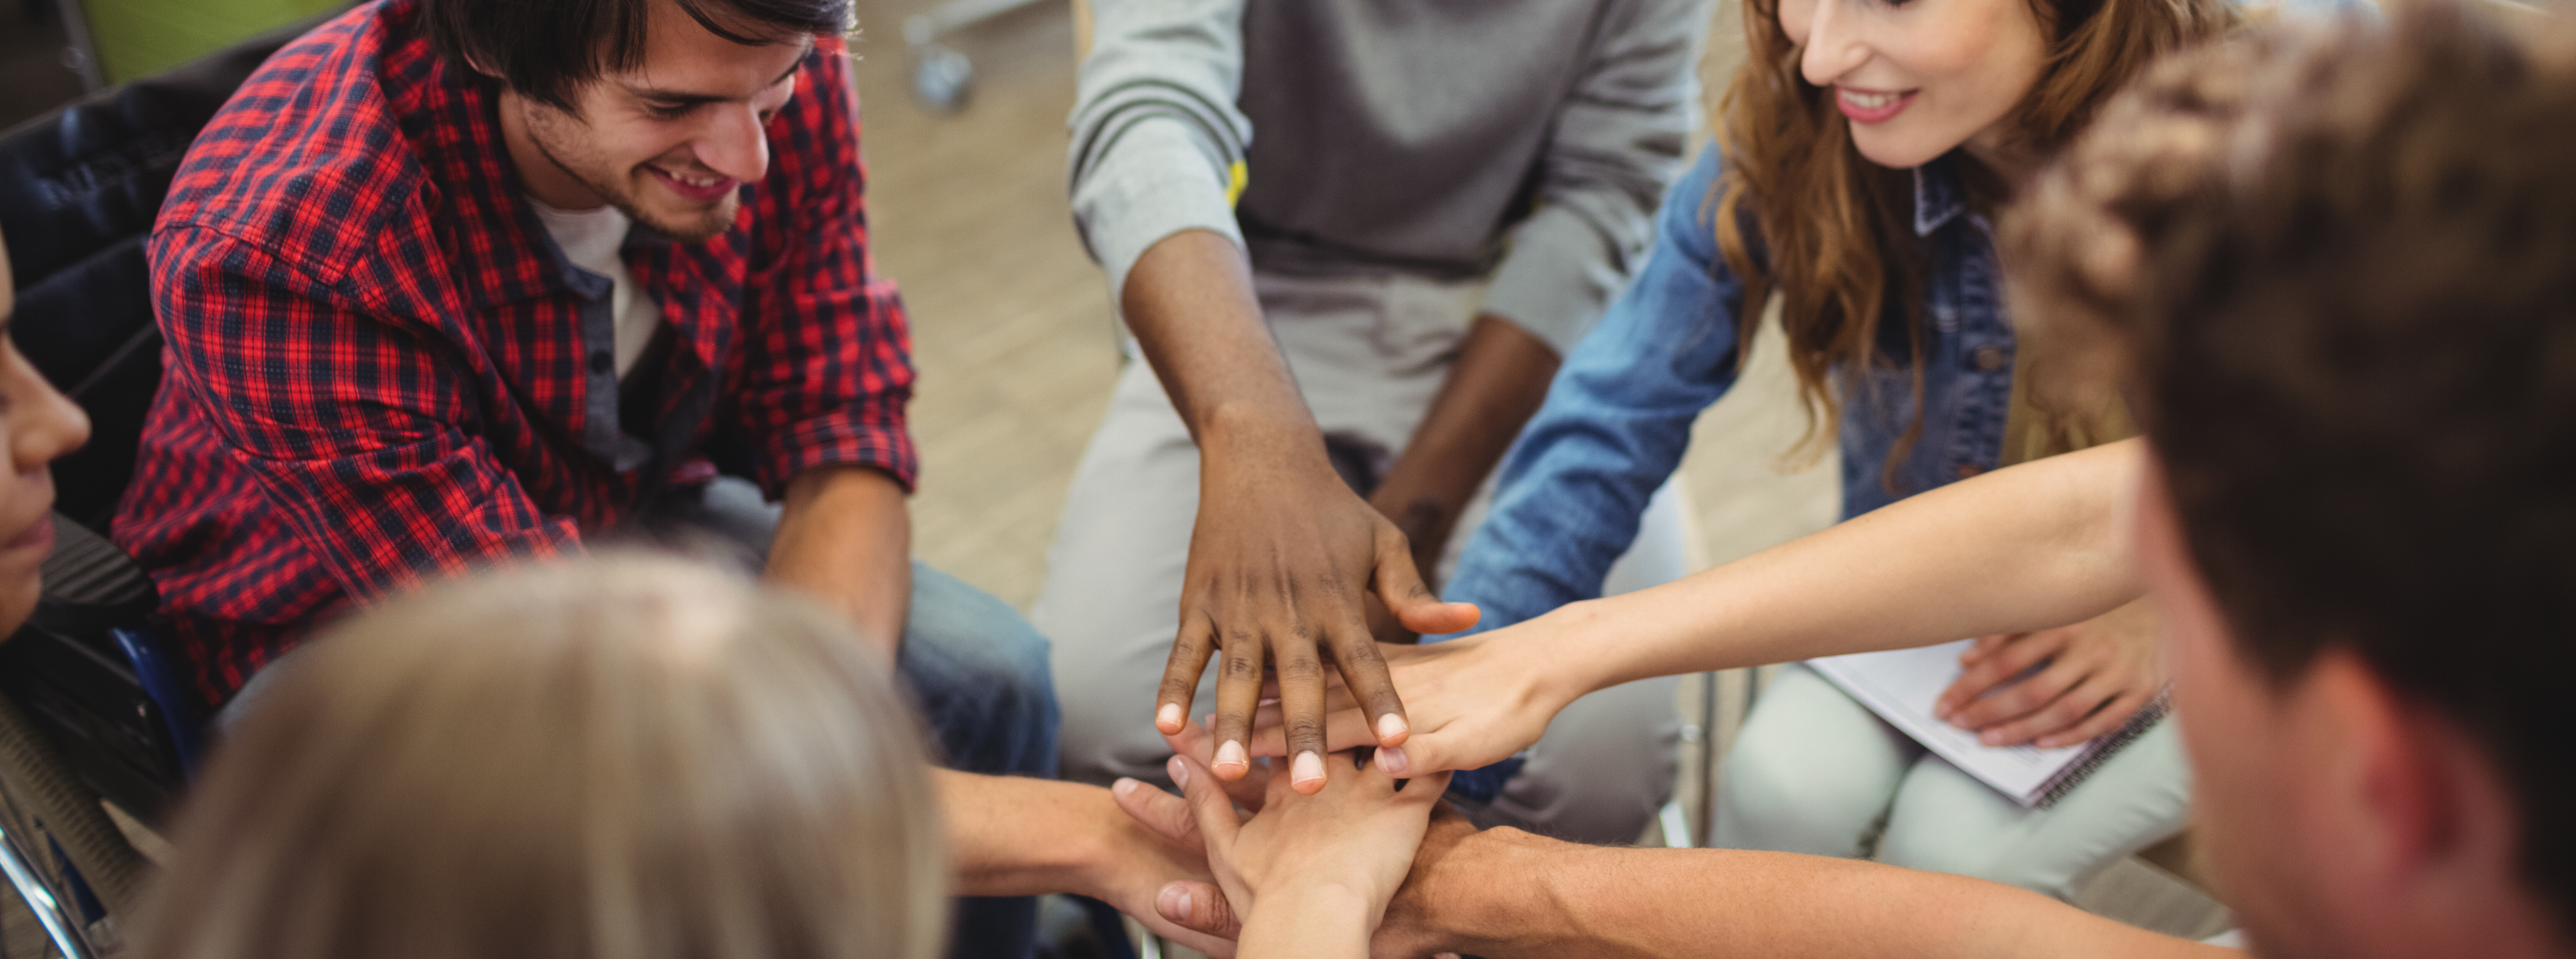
1280, 565
1474, 702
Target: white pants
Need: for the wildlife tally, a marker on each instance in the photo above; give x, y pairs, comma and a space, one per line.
1814, 770
1369, 354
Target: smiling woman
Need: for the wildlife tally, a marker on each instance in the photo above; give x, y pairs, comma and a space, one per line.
1864, 149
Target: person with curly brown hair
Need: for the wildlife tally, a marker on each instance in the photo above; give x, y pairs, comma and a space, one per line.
1863, 153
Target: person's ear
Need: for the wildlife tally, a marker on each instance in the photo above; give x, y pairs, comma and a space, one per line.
2411, 802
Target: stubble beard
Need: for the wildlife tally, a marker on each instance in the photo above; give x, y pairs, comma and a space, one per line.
544, 124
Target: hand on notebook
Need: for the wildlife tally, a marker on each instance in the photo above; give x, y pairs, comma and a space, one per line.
2058, 687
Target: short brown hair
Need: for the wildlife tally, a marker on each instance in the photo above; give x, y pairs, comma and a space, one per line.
632, 758
2338, 266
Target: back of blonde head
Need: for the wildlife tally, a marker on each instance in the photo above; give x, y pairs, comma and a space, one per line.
627, 757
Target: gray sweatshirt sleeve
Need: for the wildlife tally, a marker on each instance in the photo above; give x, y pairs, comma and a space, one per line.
1617, 145
1157, 140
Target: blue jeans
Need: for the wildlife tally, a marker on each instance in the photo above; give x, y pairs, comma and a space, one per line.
978, 673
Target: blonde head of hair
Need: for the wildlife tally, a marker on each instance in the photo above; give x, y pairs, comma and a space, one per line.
625, 757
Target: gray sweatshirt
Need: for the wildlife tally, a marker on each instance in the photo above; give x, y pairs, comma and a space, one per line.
1525, 141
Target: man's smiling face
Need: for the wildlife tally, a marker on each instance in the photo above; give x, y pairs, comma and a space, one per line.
672, 141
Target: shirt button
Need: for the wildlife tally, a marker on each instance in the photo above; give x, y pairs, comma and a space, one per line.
602, 363
1967, 470
1990, 358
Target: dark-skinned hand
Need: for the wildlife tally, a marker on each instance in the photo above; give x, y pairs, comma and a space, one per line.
1280, 563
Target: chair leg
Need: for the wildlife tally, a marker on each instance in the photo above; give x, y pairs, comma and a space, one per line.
61, 924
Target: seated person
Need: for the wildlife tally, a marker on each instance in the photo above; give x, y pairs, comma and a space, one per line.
38, 425
453, 280
2336, 268
1927, 120
629, 756
1351, 240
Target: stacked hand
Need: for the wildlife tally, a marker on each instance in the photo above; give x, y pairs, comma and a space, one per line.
1279, 571
1302, 874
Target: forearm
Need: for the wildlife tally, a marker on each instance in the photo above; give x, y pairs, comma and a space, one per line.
1012, 836
1190, 304
2031, 547
1309, 922
1503, 893
845, 538
1500, 378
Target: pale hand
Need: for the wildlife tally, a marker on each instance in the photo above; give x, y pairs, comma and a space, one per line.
2097, 674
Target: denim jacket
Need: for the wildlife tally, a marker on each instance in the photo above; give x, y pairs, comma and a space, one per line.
1618, 417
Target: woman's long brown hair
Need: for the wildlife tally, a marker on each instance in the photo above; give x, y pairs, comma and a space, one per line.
1836, 231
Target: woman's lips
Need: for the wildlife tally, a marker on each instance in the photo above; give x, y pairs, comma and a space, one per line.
699, 189
1871, 106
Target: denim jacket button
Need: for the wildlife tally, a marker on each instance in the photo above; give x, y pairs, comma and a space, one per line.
1967, 470
1990, 358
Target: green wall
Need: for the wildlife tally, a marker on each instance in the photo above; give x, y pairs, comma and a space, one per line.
138, 38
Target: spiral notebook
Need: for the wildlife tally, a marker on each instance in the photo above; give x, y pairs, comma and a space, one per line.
1901, 685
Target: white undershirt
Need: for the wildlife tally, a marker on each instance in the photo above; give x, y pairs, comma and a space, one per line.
590, 239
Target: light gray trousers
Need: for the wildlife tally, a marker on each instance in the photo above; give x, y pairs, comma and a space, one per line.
1369, 354
1814, 771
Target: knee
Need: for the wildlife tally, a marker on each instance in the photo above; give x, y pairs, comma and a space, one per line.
1774, 794
965, 651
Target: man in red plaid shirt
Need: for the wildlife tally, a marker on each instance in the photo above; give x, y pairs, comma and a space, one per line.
455, 281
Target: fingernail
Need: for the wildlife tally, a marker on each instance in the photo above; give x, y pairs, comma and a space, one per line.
1390, 726
1180, 772
1941, 711
1174, 902
1169, 717
1991, 738
1123, 786
1309, 768
1231, 754
1391, 759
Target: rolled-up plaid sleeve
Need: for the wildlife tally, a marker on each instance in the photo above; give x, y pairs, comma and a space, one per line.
824, 371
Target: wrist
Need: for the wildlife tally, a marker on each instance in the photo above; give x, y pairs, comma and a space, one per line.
1488, 896
1566, 654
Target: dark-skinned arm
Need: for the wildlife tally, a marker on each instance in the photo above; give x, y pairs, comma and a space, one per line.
1283, 552
1497, 383
845, 538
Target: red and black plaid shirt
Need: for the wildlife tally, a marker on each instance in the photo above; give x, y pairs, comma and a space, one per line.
377, 363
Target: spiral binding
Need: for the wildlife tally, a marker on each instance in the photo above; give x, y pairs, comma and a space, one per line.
2103, 748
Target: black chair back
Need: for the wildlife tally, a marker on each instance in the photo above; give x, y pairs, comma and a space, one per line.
79, 189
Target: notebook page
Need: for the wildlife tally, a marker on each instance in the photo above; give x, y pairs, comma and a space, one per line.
1901, 685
